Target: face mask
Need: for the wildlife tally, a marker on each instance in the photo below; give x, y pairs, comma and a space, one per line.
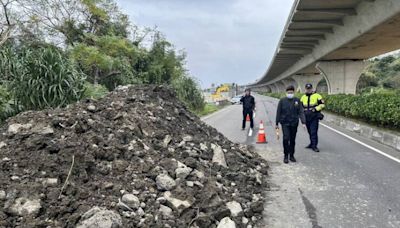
290, 95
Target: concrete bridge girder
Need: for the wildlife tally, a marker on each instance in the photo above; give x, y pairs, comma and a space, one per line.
302, 80
342, 76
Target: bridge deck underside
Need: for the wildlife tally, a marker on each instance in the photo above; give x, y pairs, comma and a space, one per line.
313, 21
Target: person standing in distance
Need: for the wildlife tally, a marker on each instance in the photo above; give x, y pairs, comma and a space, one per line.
288, 114
249, 104
312, 104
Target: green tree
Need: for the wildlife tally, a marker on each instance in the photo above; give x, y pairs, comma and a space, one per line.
108, 60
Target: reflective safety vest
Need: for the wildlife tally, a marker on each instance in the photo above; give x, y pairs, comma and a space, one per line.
312, 102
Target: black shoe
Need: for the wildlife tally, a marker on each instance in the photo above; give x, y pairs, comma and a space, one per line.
286, 160
315, 149
309, 147
292, 159
243, 129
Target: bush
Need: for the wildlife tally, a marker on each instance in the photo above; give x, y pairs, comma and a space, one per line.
189, 92
94, 91
43, 77
4, 99
380, 108
7, 105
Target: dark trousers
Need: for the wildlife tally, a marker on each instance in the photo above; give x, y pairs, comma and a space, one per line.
245, 113
289, 139
312, 124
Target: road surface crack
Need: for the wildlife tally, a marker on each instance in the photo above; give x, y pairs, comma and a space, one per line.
311, 211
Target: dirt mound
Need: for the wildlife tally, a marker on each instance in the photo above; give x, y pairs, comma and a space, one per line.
136, 158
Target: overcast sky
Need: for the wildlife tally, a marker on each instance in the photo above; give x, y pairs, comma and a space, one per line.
225, 40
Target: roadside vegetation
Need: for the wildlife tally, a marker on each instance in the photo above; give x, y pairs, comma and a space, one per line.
81, 49
210, 108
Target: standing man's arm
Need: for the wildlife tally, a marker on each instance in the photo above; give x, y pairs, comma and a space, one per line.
321, 104
301, 115
278, 114
253, 103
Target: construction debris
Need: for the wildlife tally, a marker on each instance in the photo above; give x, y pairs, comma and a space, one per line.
139, 159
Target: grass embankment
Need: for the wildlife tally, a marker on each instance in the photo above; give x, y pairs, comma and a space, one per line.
210, 108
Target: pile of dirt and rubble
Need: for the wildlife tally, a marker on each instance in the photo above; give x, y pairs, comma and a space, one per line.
136, 158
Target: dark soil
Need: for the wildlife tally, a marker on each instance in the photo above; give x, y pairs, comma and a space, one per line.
120, 145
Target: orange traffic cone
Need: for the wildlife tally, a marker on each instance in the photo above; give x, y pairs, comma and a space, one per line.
248, 117
261, 134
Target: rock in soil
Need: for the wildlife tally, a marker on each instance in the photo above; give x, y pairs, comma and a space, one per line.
136, 158
226, 223
100, 218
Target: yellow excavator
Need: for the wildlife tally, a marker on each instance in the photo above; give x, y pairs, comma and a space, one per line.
216, 96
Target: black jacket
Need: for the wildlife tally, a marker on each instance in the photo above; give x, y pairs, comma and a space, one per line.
248, 102
289, 111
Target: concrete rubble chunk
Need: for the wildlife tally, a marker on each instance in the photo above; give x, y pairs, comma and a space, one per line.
2, 195
200, 175
167, 140
48, 182
203, 147
165, 182
226, 223
25, 207
258, 177
16, 128
100, 218
131, 201
91, 108
182, 171
219, 156
43, 130
165, 211
176, 203
187, 138
2, 144
234, 207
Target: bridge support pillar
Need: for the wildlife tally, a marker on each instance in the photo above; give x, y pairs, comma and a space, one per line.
267, 89
302, 80
273, 87
280, 87
342, 76
289, 81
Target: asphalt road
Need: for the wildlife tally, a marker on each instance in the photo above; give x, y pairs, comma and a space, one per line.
345, 185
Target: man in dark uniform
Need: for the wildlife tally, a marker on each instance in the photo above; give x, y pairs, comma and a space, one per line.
288, 114
313, 104
249, 104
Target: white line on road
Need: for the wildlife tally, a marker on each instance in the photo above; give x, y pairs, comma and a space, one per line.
250, 132
363, 144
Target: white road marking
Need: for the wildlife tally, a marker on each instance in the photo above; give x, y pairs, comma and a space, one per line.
363, 144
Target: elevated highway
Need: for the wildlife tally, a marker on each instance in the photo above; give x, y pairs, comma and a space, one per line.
331, 39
